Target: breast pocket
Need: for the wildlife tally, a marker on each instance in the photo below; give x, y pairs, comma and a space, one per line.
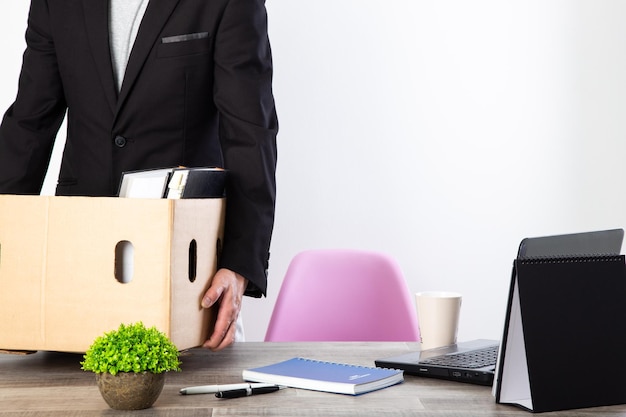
186, 44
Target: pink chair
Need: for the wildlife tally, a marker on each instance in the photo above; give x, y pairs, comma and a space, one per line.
343, 295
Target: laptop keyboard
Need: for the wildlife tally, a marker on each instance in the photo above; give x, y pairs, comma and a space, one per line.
471, 359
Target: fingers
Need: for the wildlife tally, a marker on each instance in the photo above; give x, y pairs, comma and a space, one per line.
227, 287
223, 335
225, 327
213, 294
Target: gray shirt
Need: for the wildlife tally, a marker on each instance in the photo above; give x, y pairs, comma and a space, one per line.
124, 20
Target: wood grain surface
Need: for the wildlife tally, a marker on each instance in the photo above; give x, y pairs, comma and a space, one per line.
52, 384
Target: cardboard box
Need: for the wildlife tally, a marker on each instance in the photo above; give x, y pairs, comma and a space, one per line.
63, 262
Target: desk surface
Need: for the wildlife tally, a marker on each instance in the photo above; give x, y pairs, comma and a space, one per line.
52, 384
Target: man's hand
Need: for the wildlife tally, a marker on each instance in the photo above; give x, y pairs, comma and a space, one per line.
227, 290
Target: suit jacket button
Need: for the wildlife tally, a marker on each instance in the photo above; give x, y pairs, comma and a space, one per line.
120, 141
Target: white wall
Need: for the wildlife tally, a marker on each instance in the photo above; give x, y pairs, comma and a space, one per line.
439, 131
443, 132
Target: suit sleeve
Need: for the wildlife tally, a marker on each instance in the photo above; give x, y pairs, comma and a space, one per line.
30, 125
248, 128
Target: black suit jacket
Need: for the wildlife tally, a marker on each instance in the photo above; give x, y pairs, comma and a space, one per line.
197, 91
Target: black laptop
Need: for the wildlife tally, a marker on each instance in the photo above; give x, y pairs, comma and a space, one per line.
475, 361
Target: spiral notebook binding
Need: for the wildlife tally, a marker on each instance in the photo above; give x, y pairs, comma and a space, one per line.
582, 258
349, 365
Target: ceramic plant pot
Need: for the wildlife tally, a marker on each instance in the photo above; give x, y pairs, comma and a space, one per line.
130, 391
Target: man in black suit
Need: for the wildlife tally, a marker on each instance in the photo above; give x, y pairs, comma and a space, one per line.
194, 91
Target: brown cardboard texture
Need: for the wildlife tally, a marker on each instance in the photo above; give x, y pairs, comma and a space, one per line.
72, 268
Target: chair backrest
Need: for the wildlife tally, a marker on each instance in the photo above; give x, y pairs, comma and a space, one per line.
343, 295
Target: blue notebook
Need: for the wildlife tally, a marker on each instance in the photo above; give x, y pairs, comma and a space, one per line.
325, 376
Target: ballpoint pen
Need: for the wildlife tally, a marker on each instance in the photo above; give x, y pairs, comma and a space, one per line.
236, 393
212, 389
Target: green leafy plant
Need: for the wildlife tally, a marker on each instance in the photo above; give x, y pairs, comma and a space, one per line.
132, 348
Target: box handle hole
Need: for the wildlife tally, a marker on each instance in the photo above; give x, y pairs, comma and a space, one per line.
124, 261
193, 260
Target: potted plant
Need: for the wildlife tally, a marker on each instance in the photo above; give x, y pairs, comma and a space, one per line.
130, 365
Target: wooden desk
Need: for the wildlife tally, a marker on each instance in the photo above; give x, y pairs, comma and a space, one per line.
52, 384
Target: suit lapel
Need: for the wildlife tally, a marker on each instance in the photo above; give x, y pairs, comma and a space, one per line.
156, 16
97, 23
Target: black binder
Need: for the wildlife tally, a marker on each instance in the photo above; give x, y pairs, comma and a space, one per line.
564, 343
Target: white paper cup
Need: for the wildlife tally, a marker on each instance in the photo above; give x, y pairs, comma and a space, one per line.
438, 317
